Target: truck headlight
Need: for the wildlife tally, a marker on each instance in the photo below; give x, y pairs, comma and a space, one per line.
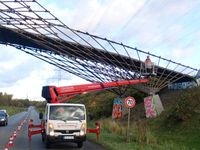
83, 129
3, 119
51, 129
51, 126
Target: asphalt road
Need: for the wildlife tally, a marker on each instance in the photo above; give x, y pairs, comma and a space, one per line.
19, 123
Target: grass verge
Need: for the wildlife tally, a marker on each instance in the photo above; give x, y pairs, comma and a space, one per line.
177, 128
11, 110
147, 136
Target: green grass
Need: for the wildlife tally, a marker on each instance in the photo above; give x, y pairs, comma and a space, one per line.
42, 110
177, 128
11, 110
115, 142
183, 133
148, 135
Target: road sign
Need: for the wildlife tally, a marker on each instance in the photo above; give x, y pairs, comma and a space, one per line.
130, 102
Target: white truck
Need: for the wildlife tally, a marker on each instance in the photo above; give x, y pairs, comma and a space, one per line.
64, 122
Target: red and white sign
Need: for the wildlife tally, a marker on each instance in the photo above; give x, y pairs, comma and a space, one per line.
130, 102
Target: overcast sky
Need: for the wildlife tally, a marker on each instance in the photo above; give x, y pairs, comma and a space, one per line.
166, 28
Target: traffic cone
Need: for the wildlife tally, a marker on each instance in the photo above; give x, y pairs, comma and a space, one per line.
19, 128
11, 141
6, 147
15, 134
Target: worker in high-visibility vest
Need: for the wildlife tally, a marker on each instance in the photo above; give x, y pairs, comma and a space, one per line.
148, 65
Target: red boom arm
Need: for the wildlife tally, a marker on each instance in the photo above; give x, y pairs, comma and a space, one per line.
51, 93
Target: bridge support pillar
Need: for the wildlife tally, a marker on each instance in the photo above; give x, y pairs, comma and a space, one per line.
153, 106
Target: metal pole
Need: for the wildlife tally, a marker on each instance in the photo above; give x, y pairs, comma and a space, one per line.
128, 137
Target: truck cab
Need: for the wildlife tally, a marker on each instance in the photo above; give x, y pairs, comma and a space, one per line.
64, 122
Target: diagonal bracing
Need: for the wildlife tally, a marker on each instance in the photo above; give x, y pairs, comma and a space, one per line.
28, 26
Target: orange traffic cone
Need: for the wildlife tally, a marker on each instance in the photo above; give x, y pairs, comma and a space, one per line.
11, 141
15, 134
19, 128
6, 147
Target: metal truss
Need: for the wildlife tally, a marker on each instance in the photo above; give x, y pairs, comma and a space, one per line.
29, 27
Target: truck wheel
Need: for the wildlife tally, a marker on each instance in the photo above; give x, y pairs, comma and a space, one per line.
43, 137
47, 143
80, 144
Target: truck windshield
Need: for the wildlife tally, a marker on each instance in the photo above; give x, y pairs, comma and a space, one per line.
67, 113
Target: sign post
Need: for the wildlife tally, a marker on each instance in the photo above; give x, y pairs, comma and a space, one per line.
130, 103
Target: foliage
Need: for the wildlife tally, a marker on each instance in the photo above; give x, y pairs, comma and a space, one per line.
16, 105
177, 128
187, 106
100, 103
142, 138
139, 132
5, 99
11, 110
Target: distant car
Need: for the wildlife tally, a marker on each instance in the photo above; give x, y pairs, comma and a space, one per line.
3, 110
3, 118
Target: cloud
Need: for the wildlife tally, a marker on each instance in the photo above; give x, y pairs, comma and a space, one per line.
23, 75
16, 65
180, 53
96, 16
31, 86
153, 24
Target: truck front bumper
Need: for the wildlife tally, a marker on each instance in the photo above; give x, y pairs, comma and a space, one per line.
66, 138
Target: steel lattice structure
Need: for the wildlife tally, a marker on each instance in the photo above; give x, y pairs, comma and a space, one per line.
28, 26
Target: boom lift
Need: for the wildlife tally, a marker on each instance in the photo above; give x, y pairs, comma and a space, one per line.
55, 94
71, 127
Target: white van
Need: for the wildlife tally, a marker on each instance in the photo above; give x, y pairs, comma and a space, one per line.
64, 122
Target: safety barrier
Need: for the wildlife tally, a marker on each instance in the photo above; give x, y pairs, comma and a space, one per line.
32, 132
96, 130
